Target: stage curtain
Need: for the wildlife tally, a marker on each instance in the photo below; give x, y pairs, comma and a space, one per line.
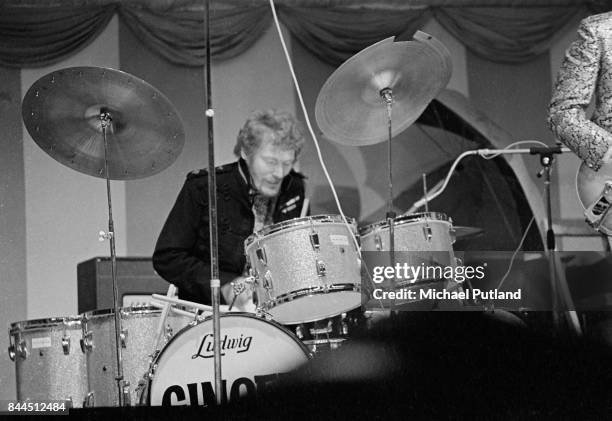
37, 33
506, 35
38, 36
334, 34
179, 36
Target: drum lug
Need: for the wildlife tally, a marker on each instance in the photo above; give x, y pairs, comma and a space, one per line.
377, 242
314, 241
321, 269
299, 332
66, 344
22, 349
11, 352
123, 337
89, 400
453, 234
142, 390
427, 232
261, 255
267, 280
344, 325
87, 341
125, 391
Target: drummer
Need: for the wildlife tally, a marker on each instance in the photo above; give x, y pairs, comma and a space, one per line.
259, 189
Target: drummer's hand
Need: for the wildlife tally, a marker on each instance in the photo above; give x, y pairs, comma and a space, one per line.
244, 300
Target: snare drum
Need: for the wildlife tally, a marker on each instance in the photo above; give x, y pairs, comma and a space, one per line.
254, 353
139, 326
307, 269
49, 362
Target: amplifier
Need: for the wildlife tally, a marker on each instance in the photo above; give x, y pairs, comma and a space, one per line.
136, 281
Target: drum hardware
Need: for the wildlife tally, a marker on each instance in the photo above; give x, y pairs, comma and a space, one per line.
239, 287
95, 121
123, 337
314, 240
427, 231
89, 400
321, 270
267, 284
377, 242
319, 276
66, 344
261, 255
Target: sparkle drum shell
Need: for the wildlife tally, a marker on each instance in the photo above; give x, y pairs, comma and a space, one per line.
255, 352
49, 361
139, 327
420, 239
307, 268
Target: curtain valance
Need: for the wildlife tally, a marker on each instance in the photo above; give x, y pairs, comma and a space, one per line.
41, 32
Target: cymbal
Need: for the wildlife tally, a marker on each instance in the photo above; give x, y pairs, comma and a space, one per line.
61, 111
465, 233
349, 107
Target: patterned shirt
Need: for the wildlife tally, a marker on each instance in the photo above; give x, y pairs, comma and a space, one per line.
586, 70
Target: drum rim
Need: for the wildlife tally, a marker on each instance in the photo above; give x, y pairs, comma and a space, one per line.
36, 324
150, 375
305, 292
405, 219
122, 310
324, 341
295, 222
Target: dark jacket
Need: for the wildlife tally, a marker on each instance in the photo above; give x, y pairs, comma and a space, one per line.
182, 252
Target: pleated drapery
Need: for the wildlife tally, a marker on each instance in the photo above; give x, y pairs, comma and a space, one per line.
38, 33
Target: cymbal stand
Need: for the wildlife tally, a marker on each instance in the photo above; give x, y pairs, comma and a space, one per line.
215, 281
122, 386
387, 96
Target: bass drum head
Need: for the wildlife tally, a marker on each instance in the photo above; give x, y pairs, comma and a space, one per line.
254, 352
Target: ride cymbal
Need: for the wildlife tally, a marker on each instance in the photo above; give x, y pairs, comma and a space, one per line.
62, 112
350, 108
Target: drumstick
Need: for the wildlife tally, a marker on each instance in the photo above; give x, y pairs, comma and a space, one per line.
160, 327
160, 305
304, 208
182, 302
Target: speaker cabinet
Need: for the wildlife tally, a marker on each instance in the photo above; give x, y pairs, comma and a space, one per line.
136, 281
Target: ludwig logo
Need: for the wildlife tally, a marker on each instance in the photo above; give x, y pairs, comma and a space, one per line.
237, 344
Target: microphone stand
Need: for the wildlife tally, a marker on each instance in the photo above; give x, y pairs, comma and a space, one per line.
215, 282
558, 287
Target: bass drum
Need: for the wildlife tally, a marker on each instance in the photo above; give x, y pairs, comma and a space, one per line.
255, 352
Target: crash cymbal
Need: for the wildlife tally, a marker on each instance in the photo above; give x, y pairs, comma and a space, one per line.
350, 109
62, 111
465, 233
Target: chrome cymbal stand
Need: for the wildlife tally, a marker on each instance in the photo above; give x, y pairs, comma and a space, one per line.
386, 95
106, 121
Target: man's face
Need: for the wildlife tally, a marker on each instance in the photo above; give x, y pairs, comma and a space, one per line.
268, 166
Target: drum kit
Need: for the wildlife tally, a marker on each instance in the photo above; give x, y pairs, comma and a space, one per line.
306, 272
